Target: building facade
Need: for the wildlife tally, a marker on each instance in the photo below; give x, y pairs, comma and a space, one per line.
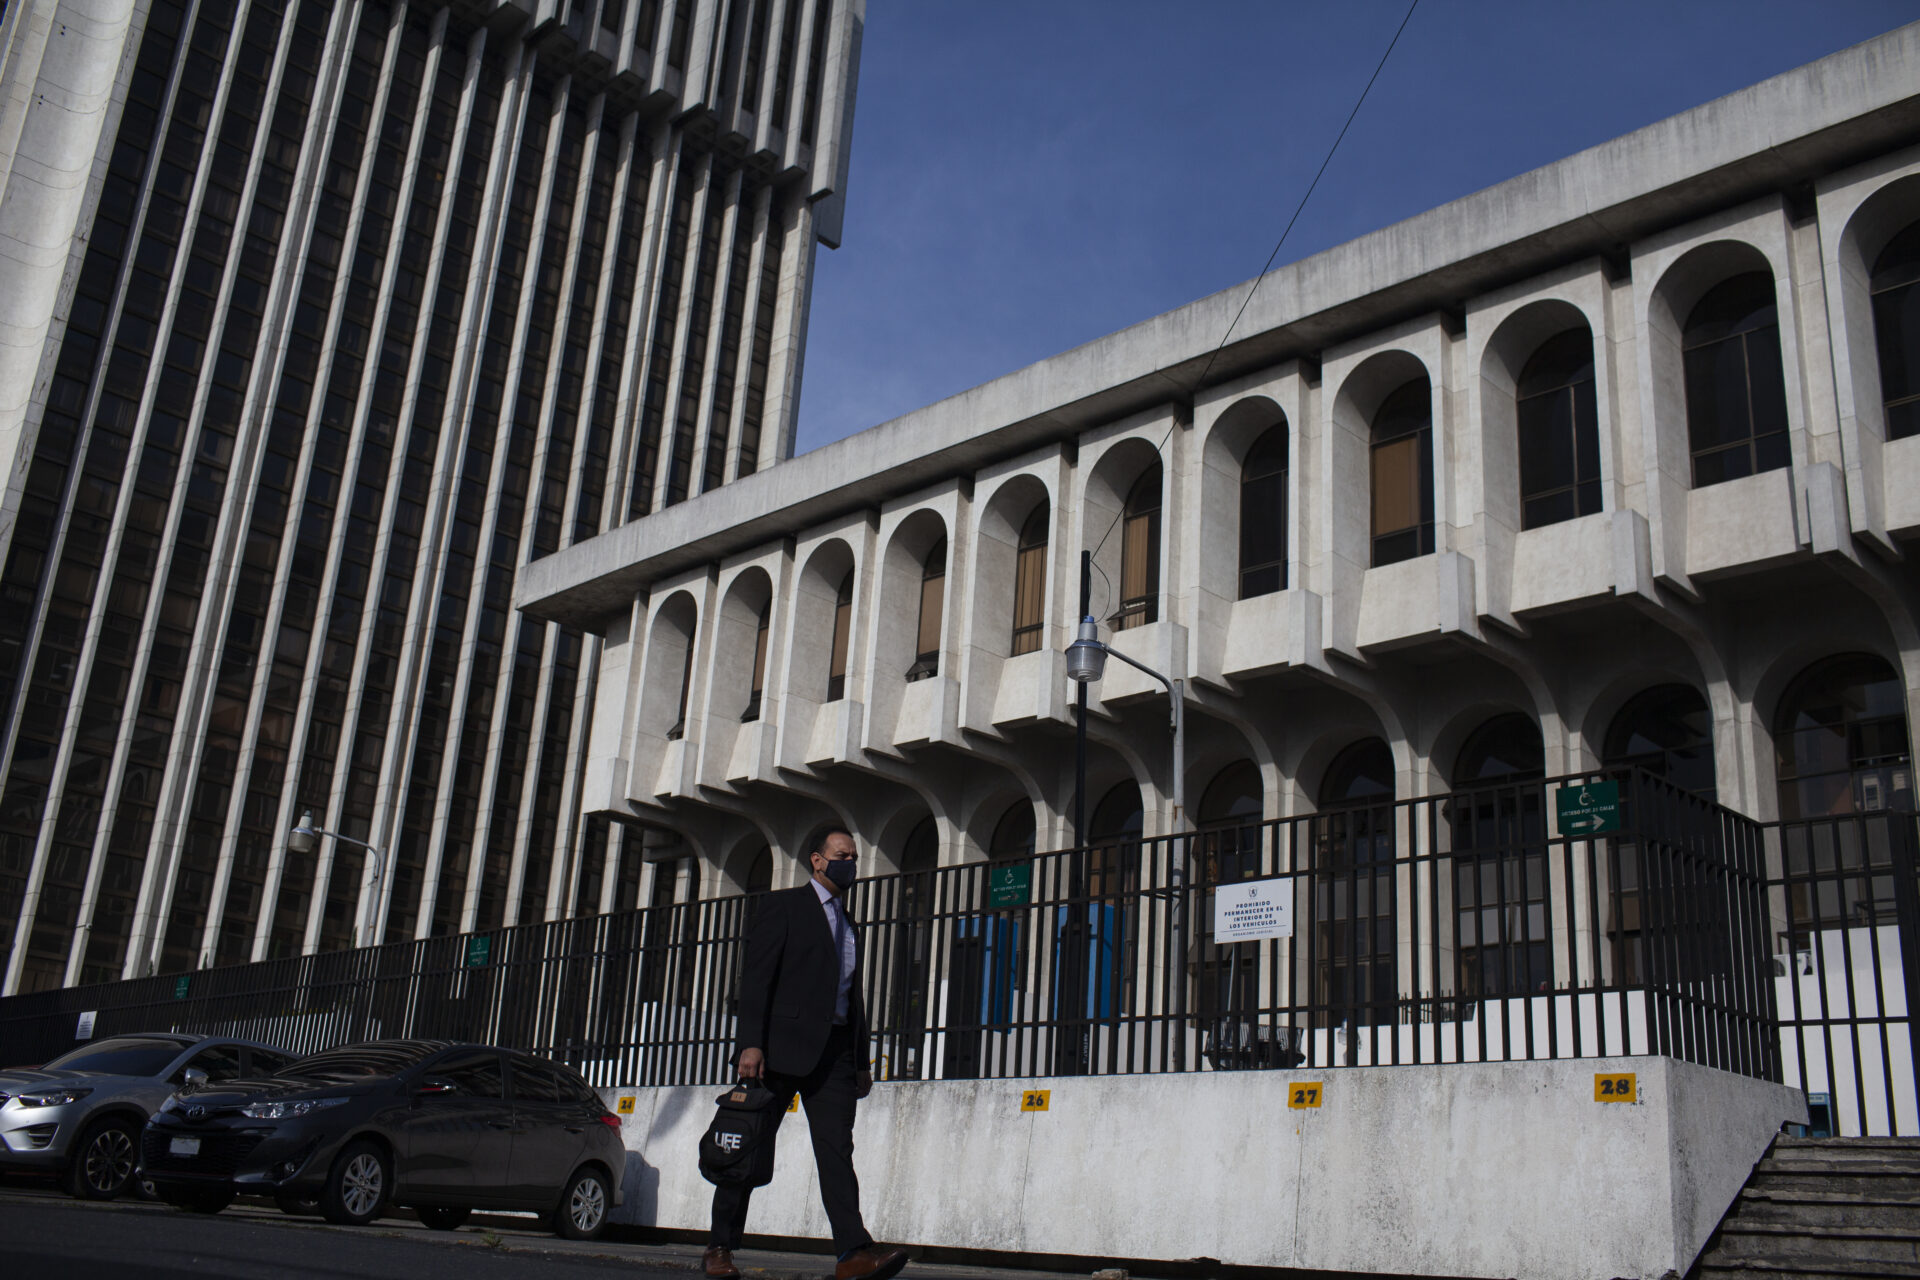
318, 322
1615, 462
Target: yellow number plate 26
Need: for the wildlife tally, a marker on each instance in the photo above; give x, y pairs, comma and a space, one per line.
1304, 1095
1035, 1099
1615, 1087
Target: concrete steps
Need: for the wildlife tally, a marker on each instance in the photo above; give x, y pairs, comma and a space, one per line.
1823, 1207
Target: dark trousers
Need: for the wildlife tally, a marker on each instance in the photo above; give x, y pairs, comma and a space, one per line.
829, 1095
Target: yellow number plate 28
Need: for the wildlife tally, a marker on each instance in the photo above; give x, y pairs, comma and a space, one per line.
1615, 1087
1304, 1095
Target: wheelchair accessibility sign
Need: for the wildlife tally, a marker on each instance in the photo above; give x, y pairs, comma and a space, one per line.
1588, 808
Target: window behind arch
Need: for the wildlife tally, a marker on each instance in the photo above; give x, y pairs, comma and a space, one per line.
679, 729
759, 665
1500, 860
933, 590
1140, 553
1736, 395
1263, 515
1225, 983
1559, 432
760, 871
1402, 474
1668, 731
1354, 934
1013, 835
1896, 330
1840, 740
842, 632
1030, 583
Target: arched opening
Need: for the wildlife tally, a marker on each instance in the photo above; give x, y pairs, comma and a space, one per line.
1140, 552
933, 591
1559, 431
1354, 935
1014, 835
760, 871
904, 1004
1500, 859
1401, 466
757, 692
842, 636
1030, 582
1225, 983
1736, 393
1668, 731
1840, 740
1895, 289
1263, 515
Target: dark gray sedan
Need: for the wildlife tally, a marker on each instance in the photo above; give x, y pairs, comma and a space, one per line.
439, 1127
80, 1115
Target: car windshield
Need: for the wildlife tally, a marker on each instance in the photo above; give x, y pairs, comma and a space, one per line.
126, 1057
357, 1062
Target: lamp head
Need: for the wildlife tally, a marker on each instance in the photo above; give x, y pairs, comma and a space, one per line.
1086, 656
303, 838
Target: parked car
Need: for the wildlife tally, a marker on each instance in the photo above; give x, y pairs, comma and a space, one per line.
438, 1127
80, 1115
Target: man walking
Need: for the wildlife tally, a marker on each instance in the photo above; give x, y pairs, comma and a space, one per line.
803, 1029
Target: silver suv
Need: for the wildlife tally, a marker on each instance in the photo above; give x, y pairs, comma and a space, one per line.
80, 1116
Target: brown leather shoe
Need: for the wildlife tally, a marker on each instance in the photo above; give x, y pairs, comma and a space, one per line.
871, 1263
719, 1263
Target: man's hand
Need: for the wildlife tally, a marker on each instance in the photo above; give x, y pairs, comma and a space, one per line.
862, 1084
753, 1064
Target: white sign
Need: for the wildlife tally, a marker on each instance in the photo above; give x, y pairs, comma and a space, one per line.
1253, 909
85, 1031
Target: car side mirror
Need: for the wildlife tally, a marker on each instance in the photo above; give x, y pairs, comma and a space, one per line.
194, 1078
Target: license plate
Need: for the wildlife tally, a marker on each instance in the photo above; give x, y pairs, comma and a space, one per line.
184, 1147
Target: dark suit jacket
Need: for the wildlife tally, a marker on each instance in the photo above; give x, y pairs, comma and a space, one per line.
789, 981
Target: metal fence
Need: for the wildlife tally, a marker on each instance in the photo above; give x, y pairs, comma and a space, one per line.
1456, 928
1844, 902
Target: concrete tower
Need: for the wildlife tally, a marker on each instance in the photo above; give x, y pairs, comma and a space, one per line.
318, 321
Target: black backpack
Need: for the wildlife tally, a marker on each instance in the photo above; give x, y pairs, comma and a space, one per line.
737, 1148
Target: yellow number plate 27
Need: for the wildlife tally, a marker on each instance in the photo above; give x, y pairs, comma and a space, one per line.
1615, 1087
1304, 1095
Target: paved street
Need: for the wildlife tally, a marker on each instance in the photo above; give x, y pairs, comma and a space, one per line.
45, 1234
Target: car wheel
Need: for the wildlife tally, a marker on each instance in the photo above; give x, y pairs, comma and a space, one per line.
357, 1186
444, 1219
296, 1206
103, 1159
582, 1211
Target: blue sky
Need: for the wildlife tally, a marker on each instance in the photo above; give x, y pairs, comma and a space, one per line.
1027, 176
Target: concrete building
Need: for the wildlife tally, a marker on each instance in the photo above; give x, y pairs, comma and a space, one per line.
317, 323
1613, 462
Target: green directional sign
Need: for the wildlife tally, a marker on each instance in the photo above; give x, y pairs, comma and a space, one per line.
1588, 808
479, 947
180, 985
1010, 885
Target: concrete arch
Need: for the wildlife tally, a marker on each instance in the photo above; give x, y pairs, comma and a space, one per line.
670, 639
1103, 501
1880, 217
1222, 460
1509, 348
996, 553
816, 590
736, 627
896, 619
1363, 391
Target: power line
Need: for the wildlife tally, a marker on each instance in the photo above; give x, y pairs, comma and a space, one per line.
1285, 232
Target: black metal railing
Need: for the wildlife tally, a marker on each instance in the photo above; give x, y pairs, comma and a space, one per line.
1844, 909
1454, 928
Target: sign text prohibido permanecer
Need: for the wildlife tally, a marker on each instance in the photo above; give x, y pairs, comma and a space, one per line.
1253, 909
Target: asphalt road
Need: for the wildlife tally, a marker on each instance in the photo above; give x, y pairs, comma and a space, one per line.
50, 1237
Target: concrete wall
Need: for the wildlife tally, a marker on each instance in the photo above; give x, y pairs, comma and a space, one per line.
1494, 1169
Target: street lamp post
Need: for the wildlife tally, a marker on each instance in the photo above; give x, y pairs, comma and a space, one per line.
305, 838
1086, 662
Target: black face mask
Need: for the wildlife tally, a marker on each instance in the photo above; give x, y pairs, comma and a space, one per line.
842, 871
